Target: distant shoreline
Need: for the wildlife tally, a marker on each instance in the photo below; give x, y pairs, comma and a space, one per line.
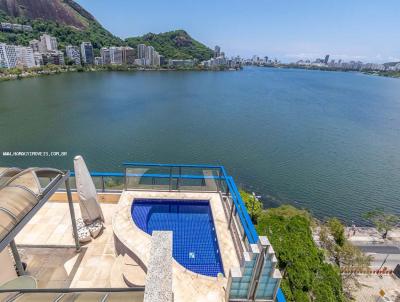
387, 74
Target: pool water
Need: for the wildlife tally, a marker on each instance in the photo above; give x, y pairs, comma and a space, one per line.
195, 244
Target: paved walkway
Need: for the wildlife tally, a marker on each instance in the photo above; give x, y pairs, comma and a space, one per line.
371, 285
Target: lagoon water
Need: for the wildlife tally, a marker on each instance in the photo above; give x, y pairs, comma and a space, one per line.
326, 141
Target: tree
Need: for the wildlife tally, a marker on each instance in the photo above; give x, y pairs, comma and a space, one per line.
346, 256
336, 228
253, 204
383, 222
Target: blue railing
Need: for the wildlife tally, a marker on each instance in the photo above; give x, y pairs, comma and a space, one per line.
172, 177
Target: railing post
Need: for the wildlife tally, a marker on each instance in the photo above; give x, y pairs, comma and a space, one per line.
219, 181
231, 214
170, 178
102, 184
17, 258
179, 178
125, 180
72, 213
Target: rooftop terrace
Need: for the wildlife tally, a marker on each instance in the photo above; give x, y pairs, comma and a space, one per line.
121, 256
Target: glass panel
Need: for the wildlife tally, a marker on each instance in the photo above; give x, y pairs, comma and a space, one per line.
98, 183
113, 183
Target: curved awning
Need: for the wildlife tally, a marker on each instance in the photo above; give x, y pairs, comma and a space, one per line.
7, 173
22, 195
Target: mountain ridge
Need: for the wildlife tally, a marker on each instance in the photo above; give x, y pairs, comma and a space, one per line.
66, 12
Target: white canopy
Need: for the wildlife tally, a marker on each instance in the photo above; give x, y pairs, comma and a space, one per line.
90, 208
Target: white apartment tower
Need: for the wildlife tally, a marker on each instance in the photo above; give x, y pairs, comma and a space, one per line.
116, 55
47, 43
25, 57
8, 56
141, 51
149, 54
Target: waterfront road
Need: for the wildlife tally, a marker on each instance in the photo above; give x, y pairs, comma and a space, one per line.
389, 253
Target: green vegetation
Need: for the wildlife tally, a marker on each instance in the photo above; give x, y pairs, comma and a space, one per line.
311, 272
384, 222
20, 73
174, 45
65, 34
336, 228
389, 74
307, 276
254, 206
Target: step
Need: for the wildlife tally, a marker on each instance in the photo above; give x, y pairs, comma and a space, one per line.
132, 273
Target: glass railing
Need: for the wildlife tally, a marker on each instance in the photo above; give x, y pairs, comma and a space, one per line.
178, 177
104, 181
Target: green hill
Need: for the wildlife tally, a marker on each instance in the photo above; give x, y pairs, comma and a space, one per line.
174, 45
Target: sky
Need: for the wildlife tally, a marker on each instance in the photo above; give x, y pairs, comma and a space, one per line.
289, 30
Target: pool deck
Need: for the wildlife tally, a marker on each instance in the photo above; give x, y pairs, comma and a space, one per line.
187, 286
48, 250
59, 265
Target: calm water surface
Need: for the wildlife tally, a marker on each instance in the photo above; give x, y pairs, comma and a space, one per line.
326, 141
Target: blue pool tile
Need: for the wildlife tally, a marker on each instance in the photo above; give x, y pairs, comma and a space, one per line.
195, 244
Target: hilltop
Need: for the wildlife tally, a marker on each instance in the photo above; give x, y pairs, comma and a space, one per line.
70, 23
176, 44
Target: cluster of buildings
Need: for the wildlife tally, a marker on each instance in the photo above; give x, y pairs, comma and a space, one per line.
45, 51
148, 56
10, 27
116, 56
39, 52
219, 60
352, 65
258, 61
324, 63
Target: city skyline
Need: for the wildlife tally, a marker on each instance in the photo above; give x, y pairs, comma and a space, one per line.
290, 31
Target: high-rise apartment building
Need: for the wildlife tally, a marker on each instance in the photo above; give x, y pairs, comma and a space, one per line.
217, 51
326, 59
116, 55
34, 44
141, 51
149, 53
25, 57
155, 59
47, 43
8, 56
87, 53
128, 55
73, 54
105, 56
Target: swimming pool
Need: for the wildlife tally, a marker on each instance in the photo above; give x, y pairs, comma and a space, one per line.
195, 244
